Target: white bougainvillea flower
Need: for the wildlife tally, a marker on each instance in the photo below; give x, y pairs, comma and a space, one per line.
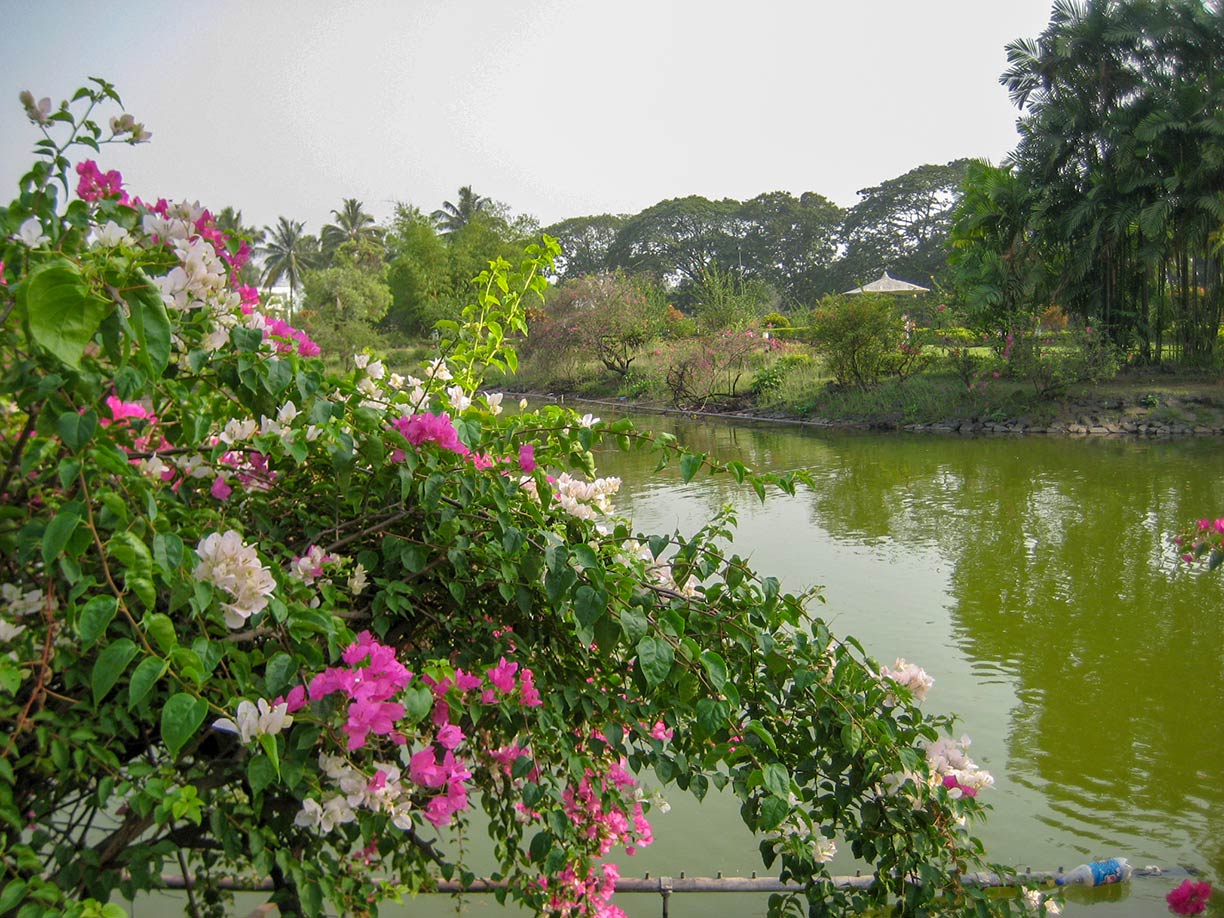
256, 720
110, 235
31, 235
227, 563
824, 851
912, 676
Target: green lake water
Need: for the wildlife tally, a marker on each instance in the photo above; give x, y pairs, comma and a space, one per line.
1034, 579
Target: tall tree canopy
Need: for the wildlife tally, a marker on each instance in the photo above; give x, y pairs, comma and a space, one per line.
288, 253
791, 243
452, 217
585, 242
353, 224
678, 239
1122, 142
901, 225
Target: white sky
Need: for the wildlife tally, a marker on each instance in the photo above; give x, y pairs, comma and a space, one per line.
560, 108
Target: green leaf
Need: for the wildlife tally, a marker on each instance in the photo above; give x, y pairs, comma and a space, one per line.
633, 623
418, 702
58, 532
180, 719
144, 677
95, 616
852, 738
278, 674
589, 605
655, 658
152, 326
261, 772
773, 811
776, 779
128, 549
13, 893
690, 464
711, 716
10, 677
716, 669
161, 629
109, 667
268, 744
76, 428
63, 315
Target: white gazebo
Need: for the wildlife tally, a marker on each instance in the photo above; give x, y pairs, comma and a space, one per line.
888, 284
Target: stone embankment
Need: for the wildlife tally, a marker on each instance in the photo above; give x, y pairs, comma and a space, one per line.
1145, 415
1111, 429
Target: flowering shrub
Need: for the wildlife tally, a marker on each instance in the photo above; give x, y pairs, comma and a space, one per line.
259, 621
707, 370
863, 338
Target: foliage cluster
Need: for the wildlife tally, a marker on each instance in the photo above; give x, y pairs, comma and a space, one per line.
1111, 206
863, 338
266, 621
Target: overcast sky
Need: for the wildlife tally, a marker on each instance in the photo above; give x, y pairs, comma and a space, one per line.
559, 108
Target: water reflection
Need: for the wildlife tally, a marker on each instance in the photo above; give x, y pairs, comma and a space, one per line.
1091, 668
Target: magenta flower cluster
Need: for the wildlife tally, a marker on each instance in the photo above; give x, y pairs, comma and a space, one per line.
371, 679
439, 429
1190, 898
94, 184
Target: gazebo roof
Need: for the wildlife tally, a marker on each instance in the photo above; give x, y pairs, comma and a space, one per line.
888, 284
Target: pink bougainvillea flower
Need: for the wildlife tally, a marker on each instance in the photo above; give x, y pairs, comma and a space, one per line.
1190, 898
295, 700
428, 427
424, 770
527, 458
366, 717
450, 736
529, 696
502, 675
220, 490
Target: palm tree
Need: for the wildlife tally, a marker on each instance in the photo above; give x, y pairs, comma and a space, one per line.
287, 254
454, 217
352, 224
1118, 141
229, 221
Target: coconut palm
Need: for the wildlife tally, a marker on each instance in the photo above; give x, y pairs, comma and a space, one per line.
451, 218
288, 252
352, 224
1119, 139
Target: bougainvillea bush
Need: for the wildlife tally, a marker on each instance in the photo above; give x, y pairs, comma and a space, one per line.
261, 622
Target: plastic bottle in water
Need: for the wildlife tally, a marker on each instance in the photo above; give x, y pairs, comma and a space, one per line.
1098, 873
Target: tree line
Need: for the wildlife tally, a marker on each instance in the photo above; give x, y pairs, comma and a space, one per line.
356, 278
1110, 210
1112, 204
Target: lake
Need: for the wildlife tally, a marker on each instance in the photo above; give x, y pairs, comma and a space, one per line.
1034, 579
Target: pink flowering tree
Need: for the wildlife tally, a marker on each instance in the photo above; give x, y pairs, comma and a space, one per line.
261, 622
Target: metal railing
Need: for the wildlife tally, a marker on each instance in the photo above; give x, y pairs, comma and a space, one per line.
666, 886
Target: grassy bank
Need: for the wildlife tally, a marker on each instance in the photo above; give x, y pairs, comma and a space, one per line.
797, 388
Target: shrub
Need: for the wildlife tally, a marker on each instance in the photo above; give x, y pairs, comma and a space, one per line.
1083, 356
264, 621
863, 338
